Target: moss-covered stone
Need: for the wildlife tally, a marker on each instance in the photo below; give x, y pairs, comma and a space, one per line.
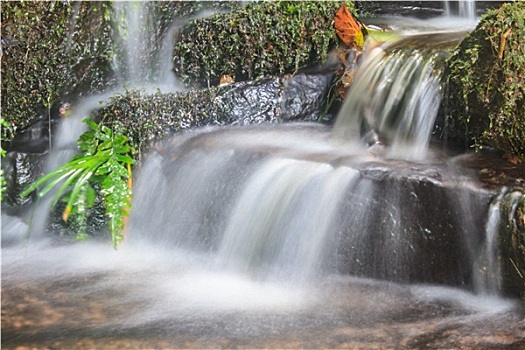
484, 101
512, 242
146, 118
259, 39
51, 50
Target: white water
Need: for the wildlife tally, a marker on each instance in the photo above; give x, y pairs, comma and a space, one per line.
236, 234
398, 97
465, 9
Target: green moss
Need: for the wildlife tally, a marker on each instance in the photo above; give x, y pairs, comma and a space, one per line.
146, 118
259, 39
485, 97
51, 50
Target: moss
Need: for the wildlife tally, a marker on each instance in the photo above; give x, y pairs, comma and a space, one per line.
146, 118
259, 39
56, 51
512, 242
50, 48
485, 98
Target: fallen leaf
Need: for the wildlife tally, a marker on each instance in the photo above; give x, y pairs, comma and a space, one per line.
348, 29
226, 80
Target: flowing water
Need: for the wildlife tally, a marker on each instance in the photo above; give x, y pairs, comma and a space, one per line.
282, 236
461, 10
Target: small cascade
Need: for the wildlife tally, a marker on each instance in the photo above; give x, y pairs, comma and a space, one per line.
394, 99
464, 9
284, 219
489, 276
259, 202
143, 43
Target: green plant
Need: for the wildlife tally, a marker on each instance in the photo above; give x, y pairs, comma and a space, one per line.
104, 162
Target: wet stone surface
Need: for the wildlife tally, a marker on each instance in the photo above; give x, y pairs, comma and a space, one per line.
109, 310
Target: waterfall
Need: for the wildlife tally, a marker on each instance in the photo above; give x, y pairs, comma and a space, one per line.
489, 278
260, 202
395, 96
284, 219
465, 9
144, 44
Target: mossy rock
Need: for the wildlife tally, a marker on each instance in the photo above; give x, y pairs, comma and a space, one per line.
51, 49
147, 118
259, 39
484, 102
512, 242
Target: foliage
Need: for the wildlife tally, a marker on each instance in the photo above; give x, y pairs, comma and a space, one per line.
261, 38
51, 49
485, 97
104, 160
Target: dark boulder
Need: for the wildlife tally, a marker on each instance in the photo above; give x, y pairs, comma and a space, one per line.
148, 118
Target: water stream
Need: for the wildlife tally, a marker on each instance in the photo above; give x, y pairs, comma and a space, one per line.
284, 236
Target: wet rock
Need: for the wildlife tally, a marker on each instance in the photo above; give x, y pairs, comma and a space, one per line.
250, 102
304, 96
25, 159
35, 138
413, 229
20, 170
149, 118
512, 242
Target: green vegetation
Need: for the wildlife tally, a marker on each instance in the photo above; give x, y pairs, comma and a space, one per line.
145, 118
105, 161
258, 39
51, 51
485, 97
59, 51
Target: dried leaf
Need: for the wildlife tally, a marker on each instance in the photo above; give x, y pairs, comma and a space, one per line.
226, 80
348, 29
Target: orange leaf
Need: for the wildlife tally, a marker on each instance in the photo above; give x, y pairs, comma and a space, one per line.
347, 28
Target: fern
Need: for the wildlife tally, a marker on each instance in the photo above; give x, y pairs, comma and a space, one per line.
104, 160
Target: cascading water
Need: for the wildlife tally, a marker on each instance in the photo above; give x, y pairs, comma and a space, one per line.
282, 236
465, 9
399, 102
145, 45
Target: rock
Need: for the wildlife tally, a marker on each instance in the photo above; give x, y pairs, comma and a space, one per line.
149, 118
20, 170
512, 242
484, 98
257, 40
